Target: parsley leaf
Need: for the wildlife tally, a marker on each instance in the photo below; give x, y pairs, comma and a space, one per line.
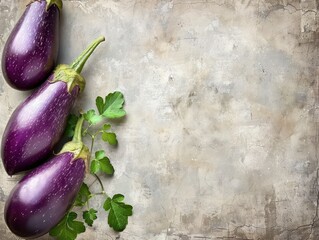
101, 163
112, 106
100, 104
119, 212
83, 196
70, 126
106, 127
109, 137
89, 216
68, 228
91, 117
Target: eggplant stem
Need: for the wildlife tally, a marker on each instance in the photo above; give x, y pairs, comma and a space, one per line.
78, 130
79, 63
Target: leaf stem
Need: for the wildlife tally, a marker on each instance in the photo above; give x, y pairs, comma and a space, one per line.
92, 143
91, 150
86, 130
100, 182
96, 194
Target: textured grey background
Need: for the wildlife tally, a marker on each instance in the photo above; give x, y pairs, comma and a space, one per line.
221, 138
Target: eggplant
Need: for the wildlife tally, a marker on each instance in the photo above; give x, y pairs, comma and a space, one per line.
42, 197
31, 51
38, 123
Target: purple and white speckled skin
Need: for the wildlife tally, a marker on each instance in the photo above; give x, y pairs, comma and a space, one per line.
42, 198
31, 50
36, 126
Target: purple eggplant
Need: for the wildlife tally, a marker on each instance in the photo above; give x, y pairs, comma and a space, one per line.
31, 50
43, 197
38, 123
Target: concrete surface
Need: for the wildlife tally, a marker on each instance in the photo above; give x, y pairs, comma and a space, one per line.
221, 138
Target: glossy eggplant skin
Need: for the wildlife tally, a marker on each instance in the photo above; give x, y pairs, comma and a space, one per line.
31, 51
36, 126
38, 123
42, 198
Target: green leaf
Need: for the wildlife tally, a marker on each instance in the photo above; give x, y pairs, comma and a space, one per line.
68, 228
83, 196
95, 167
92, 118
109, 137
118, 198
107, 204
101, 163
106, 127
70, 126
113, 106
119, 212
99, 154
100, 104
89, 216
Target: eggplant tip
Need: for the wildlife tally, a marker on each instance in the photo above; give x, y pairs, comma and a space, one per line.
101, 38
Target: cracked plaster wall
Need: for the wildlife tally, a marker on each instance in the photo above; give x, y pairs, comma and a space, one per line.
221, 138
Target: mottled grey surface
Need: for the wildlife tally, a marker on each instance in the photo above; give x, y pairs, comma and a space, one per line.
221, 138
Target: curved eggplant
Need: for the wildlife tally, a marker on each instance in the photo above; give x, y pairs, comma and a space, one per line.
38, 123
43, 197
31, 50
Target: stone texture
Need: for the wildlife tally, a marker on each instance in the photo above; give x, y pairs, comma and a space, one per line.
221, 137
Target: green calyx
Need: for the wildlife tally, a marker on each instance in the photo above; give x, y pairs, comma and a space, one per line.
58, 3
67, 74
79, 151
76, 146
